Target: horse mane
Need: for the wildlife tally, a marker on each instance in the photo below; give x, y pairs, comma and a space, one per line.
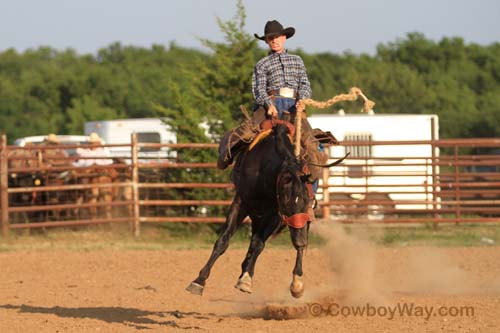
284, 146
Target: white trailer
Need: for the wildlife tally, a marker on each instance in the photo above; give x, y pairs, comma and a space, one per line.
148, 130
67, 140
409, 165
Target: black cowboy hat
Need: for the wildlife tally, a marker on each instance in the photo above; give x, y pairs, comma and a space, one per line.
274, 28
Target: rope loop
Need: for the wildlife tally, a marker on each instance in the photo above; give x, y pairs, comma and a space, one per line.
353, 95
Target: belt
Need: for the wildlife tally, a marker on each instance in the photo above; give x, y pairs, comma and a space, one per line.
283, 92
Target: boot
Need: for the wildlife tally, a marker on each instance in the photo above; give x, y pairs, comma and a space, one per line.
233, 142
225, 158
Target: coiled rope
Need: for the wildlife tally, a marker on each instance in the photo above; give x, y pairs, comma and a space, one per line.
353, 95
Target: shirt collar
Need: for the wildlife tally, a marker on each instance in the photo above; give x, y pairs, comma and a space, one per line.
271, 52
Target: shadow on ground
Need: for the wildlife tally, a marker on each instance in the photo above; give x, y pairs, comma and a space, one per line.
135, 318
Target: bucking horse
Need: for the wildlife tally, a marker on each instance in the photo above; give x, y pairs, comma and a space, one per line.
271, 189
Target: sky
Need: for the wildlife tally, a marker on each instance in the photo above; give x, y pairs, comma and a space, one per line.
355, 26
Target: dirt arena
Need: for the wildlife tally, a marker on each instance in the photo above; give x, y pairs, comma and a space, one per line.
398, 289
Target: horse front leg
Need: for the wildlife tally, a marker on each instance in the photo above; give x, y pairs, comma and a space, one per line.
237, 213
299, 240
106, 195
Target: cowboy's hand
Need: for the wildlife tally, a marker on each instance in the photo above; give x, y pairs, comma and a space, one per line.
299, 106
271, 111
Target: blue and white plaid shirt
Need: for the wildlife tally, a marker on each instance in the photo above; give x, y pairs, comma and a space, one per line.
279, 70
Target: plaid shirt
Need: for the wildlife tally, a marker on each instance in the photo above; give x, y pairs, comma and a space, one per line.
279, 70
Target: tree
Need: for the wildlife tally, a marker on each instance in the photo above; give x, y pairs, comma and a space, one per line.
225, 80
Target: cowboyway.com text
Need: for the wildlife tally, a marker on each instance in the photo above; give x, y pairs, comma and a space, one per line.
390, 311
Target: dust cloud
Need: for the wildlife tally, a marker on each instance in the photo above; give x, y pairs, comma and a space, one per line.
356, 270
356, 275
352, 262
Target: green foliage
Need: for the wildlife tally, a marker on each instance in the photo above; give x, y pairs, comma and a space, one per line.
86, 108
458, 82
225, 81
46, 90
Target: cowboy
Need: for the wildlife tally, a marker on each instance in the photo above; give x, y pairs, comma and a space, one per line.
94, 154
94, 157
55, 156
279, 82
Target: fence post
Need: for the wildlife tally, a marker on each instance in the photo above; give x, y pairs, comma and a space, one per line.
4, 186
457, 184
434, 172
135, 185
326, 193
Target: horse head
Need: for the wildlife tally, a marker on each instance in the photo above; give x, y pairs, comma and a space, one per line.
291, 186
292, 192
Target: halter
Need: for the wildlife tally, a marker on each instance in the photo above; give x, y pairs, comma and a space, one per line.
298, 220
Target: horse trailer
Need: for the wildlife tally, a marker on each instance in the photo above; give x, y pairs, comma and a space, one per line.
65, 140
148, 130
398, 173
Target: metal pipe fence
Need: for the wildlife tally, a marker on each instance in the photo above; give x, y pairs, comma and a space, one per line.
441, 181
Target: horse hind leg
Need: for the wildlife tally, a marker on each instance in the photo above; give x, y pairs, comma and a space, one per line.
234, 219
259, 237
244, 283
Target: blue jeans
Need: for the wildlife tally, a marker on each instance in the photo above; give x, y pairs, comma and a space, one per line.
315, 185
284, 104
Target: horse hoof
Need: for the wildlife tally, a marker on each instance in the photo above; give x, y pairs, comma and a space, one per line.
195, 288
244, 287
244, 283
297, 294
297, 287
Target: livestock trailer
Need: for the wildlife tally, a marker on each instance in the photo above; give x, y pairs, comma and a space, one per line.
400, 173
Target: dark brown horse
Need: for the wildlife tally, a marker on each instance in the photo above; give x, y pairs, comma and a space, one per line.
19, 160
271, 189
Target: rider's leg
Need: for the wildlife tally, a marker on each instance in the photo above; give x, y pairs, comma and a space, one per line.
238, 137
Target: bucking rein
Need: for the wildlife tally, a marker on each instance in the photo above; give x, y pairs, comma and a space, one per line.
353, 95
299, 220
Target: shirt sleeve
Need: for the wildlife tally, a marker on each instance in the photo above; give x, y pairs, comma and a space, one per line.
259, 86
304, 90
80, 152
102, 152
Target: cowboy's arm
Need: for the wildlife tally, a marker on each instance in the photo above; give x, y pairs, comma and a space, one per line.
304, 89
80, 152
259, 86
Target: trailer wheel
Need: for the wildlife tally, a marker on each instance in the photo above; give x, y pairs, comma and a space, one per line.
377, 206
